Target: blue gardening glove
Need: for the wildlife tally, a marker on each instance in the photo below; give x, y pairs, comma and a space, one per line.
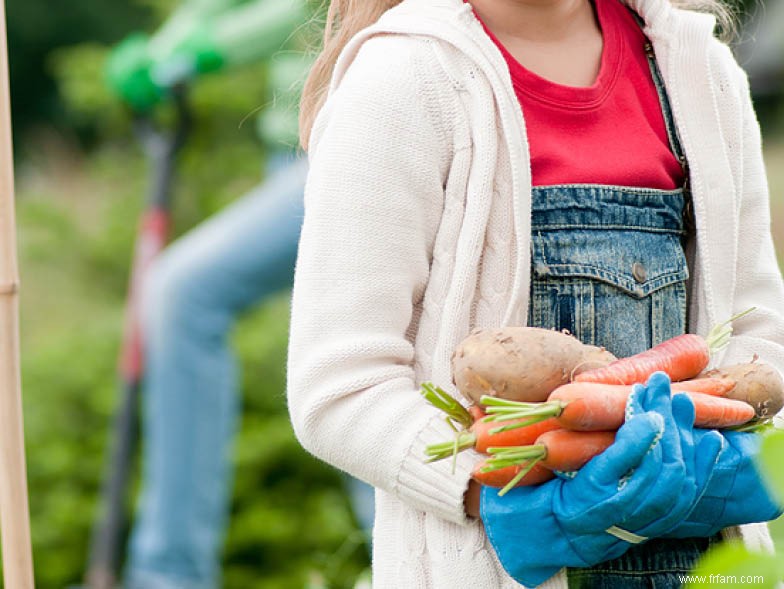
684, 471
639, 487
736, 494
679, 452
533, 539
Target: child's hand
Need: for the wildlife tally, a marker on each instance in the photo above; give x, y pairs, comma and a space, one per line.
736, 494
686, 464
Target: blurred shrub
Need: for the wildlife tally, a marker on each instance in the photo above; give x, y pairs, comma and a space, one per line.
36, 27
290, 515
291, 521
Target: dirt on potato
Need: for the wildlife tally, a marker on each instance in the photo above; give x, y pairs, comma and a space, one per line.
521, 363
758, 384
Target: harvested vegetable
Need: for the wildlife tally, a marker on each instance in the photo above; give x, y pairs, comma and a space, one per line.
681, 357
521, 363
510, 476
480, 437
758, 384
456, 414
557, 450
477, 434
717, 386
588, 406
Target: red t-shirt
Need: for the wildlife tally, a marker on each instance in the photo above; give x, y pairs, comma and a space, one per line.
612, 132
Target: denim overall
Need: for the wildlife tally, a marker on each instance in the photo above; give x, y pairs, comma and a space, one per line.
608, 265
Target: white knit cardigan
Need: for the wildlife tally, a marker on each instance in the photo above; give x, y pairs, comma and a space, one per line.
416, 230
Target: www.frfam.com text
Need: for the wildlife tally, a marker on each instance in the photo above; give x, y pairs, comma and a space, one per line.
725, 580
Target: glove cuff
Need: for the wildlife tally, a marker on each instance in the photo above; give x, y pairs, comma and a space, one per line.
510, 534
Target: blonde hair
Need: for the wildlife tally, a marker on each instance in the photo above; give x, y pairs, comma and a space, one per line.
345, 18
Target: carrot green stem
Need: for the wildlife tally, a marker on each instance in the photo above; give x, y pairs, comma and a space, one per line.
526, 456
719, 337
517, 478
463, 441
526, 413
454, 454
445, 402
513, 455
489, 401
513, 412
755, 425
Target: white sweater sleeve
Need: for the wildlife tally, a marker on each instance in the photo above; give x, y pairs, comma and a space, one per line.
373, 201
758, 278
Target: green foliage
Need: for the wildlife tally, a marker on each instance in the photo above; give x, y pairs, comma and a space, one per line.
36, 28
95, 112
79, 73
732, 565
770, 462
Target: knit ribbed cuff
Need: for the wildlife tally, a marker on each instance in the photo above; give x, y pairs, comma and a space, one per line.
732, 534
756, 537
436, 487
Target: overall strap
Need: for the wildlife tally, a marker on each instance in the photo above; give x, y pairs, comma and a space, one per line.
669, 123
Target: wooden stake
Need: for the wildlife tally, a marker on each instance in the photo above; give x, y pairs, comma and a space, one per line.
14, 512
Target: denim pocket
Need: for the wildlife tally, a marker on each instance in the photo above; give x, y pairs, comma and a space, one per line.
621, 289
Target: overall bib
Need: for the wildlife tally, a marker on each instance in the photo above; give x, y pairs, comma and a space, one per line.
608, 265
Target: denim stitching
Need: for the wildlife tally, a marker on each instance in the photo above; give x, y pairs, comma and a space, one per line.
619, 280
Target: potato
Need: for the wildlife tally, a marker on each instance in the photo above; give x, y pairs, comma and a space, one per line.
760, 385
521, 363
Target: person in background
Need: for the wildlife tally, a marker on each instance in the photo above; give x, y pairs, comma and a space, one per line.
200, 284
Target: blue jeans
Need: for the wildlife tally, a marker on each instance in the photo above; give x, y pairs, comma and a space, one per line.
195, 292
657, 564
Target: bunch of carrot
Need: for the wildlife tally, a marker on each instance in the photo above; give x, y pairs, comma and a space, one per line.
527, 439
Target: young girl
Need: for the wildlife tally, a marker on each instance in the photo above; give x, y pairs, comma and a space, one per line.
572, 164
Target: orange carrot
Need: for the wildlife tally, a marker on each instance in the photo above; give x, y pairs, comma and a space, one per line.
715, 386
485, 438
566, 450
477, 434
719, 413
597, 407
589, 406
480, 437
476, 412
510, 475
557, 450
681, 357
